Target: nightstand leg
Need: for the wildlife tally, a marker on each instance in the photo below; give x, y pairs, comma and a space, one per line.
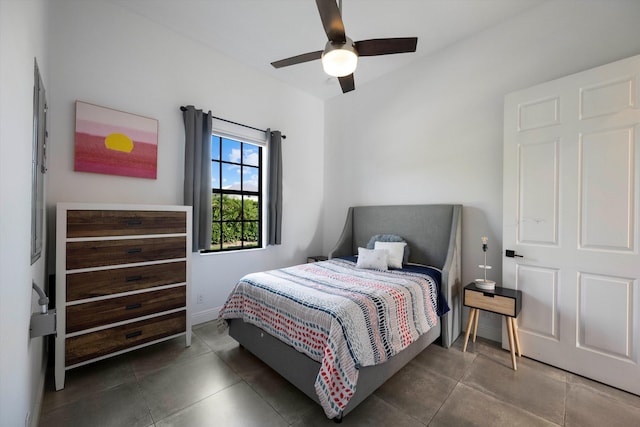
514, 324
475, 324
472, 313
511, 343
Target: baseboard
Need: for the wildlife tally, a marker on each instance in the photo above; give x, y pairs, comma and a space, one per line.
205, 315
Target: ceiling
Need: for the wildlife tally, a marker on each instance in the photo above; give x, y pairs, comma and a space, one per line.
258, 32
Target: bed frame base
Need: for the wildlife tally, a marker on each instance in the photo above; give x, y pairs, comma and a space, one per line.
282, 357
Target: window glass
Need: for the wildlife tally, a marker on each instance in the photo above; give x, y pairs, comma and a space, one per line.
215, 147
215, 175
216, 206
231, 150
250, 234
250, 155
231, 177
251, 208
216, 236
250, 178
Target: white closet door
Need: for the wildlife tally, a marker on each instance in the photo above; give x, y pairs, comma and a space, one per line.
571, 209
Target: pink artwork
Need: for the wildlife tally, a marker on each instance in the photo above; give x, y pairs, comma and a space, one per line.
114, 142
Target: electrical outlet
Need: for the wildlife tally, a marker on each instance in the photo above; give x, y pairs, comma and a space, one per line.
200, 299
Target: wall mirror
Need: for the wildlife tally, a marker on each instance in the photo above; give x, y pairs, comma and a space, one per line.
38, 164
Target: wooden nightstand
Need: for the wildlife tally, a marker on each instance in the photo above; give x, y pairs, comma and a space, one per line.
501, 301
317, 258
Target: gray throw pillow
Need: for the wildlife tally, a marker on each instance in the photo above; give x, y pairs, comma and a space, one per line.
390, 238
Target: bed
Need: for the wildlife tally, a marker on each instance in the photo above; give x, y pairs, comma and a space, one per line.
432, 234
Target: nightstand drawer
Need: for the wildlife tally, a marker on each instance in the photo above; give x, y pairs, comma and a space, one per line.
100, 313
95, 344
491, 301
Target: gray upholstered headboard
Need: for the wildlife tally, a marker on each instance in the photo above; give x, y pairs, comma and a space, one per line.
433, 233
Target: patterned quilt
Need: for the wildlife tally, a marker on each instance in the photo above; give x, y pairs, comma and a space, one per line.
339, 315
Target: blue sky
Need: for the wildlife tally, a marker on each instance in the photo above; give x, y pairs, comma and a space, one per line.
231, 152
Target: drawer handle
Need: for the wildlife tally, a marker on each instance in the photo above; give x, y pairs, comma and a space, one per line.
134, 250
487, 294
133, 222
133, 278
133, 334
133, 306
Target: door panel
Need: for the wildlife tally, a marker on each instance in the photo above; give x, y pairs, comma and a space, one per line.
539, 288
571, 208
607, 98
606, 190
537, 193
538, 114
593, 290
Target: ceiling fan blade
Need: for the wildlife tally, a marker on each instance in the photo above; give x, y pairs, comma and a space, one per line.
331, 20
347, 83
376, 47
298, 59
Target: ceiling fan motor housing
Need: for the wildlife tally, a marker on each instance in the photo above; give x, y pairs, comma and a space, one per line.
340, 59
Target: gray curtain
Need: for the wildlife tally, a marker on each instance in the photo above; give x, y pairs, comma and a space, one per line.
274, 222
197, 173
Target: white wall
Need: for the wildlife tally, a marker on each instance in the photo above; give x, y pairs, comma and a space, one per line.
23, 27
432, 133
104, 54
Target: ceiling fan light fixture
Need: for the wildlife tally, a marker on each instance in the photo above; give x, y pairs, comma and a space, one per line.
339, 60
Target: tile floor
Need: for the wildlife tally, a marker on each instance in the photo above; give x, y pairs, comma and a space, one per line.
216, 383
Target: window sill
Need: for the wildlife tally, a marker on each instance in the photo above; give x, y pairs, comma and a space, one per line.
230, 251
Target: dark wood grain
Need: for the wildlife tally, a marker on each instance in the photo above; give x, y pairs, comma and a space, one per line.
112, 310
347, 83
375, 47
331, 20
119, 280
298, 59
90, 346
103, 223
127, 251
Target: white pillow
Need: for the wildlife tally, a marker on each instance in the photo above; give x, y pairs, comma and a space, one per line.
372, 259
396, 252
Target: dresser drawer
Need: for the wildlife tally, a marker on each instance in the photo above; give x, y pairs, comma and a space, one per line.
113, 252
112, 310
490, 301
102, 223
89, 346
119, 280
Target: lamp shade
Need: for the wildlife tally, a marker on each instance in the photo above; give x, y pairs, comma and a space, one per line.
339, 60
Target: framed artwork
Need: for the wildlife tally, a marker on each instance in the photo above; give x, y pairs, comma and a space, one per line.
114, 142
38, 163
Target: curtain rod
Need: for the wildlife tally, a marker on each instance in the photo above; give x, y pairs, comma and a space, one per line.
183, 108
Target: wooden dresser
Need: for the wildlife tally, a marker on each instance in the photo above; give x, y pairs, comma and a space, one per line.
122, 280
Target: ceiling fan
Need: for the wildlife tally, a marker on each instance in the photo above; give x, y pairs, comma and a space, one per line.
340, 55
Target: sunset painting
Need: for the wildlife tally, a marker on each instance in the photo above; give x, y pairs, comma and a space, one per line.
114, 142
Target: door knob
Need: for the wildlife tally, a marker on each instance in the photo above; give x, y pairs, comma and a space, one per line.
511, 254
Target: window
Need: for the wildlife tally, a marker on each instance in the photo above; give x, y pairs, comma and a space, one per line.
236, 194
